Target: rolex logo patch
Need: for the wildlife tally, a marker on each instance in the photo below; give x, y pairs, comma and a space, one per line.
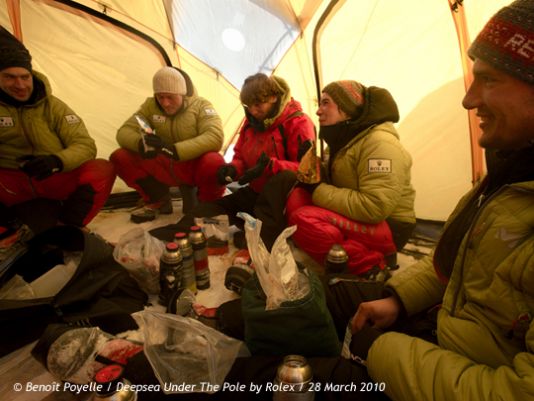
379, 165
72, 119
6, 122
158, 119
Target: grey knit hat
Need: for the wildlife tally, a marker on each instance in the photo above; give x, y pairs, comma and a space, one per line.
12, 52
348, 95
507, 41
169, 80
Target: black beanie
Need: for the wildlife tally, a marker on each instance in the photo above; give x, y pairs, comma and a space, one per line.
12, 52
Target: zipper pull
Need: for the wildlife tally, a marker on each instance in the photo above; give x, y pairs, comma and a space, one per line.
480, 200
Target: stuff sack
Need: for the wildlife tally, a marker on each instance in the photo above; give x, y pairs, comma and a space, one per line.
100, 291
302, 326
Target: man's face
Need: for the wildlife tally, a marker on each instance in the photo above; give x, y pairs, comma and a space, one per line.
505, 106
261, 110
329, 113
170, 102
17, 82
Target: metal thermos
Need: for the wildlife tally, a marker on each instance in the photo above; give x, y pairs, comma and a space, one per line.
170, 272
111, 386
200, 257
336, 260
188, 278
293, 380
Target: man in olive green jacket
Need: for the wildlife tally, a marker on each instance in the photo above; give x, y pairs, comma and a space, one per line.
45, 149
482, 271
176, 143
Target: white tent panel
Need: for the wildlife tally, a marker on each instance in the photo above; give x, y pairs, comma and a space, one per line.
236, 37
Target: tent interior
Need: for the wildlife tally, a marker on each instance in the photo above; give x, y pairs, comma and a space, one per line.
100, 56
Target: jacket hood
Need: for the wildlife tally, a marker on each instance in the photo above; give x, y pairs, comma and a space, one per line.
379, 107
279, 111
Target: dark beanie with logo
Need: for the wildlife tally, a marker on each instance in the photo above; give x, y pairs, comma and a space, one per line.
507, 41
348, 95
12, 52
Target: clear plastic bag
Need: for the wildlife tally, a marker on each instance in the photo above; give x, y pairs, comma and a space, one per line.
277, 272
185, 353
139, 253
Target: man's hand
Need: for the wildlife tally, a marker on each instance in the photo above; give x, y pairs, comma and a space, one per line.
40, 167
256, 171
226, 174
160, 146
379, 314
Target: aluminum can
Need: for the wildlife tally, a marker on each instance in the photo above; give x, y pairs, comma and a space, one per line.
200, 257
293, 380
336, 259
170, 273
188, 277
111, 386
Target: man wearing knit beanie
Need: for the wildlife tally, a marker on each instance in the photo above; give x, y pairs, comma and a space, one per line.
367, 166
475, 292
55, 158
173, 140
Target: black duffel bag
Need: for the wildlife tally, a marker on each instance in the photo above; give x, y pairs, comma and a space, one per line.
100, 293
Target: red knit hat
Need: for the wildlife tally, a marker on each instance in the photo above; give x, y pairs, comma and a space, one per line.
507, 41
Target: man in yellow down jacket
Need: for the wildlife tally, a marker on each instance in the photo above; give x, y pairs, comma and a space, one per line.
482, 271
179, 146
45, 149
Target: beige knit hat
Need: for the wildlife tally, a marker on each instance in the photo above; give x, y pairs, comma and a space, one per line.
348, 95
169, 80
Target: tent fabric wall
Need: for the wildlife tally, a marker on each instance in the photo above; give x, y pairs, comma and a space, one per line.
409, 47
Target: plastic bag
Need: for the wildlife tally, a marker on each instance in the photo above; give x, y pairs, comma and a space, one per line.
185, 353
277, 272
139, 253
216, 229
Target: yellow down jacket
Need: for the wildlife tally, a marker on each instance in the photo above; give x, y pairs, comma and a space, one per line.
485, 329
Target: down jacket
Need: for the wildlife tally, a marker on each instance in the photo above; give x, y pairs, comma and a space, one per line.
45, 127
196, 128
279, 139
368, 178
485, 329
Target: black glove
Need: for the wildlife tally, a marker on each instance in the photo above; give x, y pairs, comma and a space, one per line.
160, 146
303, 147
146, 154
309, 187
226, 174
40, 167
256, 171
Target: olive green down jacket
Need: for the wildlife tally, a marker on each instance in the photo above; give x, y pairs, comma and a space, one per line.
48, 126
485, 328
194, 130
358, 190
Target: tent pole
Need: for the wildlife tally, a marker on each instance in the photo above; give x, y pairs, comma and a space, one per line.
328, 13
13, 9
477, 159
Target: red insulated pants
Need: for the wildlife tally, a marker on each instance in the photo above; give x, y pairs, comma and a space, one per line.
200, 172
97, 175
318, 229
